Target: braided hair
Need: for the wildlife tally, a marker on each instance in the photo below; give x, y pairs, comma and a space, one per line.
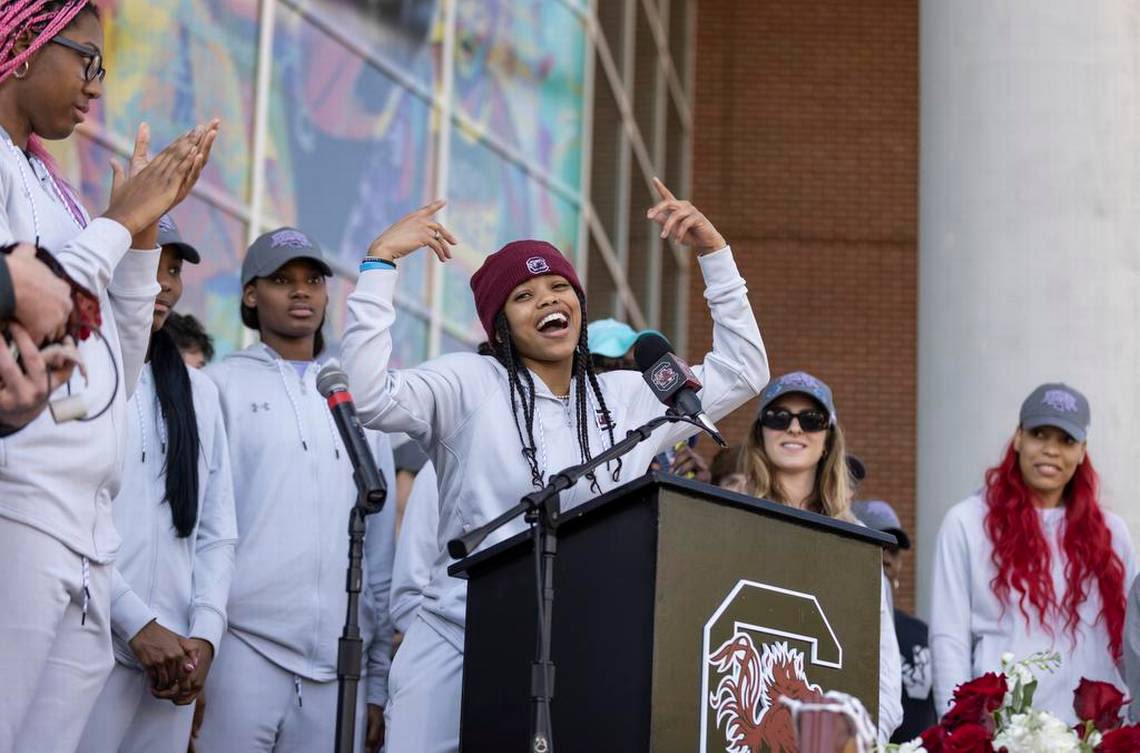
44, 19
523, 396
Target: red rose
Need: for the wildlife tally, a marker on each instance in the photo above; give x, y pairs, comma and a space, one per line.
990, 687
934, 739
1099, 703
969, 738
969, 709
1122, 740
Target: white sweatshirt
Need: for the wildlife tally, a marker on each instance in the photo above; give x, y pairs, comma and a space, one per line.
970, 629
293, 491
416, 549
61, 478
183, 583
458, 408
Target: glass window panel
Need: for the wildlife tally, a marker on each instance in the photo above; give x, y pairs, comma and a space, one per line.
492, 201
177, 64
519, 75
449, 344
403, 33
672, 299
644, 243
409, 339
676, 151
607, 185
601, 291
611, 19
644, 93
350, 150
680, 16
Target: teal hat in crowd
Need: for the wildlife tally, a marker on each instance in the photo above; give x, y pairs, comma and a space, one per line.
611, 338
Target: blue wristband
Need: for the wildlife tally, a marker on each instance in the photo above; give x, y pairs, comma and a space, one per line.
371, 262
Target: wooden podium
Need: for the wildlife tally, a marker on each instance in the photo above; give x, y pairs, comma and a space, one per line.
681, 611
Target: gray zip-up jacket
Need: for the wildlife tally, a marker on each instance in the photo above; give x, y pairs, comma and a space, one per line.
458, 408
61, 478
293, 491
183, 583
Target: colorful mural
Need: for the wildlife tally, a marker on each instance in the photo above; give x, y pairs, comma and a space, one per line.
352, 135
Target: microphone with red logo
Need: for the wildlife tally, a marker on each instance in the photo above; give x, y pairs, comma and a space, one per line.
332, 383
672, 381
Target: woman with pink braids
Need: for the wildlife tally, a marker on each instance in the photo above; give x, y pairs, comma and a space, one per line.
57, 538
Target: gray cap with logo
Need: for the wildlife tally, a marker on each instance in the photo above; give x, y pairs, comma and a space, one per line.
803, 383
168, 235
277, 248
1058, 405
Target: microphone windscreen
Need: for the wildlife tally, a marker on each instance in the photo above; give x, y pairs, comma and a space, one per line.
331, 378
648, 350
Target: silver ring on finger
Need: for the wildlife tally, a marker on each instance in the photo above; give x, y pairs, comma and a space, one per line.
438, 236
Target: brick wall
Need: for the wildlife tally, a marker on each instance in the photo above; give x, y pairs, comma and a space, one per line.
806, 158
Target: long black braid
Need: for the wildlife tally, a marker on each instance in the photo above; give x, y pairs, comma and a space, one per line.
522, 395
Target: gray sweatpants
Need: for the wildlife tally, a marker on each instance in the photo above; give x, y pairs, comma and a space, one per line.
128, 719
55, 655
255, 706
425, 686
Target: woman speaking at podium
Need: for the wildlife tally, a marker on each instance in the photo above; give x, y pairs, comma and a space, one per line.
496, 427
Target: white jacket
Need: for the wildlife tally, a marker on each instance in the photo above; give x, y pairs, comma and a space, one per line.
293, 491
970, 628
458, 408
416, 549
61, 478
183, 583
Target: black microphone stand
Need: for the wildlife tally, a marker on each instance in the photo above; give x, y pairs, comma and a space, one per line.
350, 647
541, 511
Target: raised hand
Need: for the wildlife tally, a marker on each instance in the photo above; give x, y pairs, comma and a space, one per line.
412, 231
43, 300
683, 222
139, 199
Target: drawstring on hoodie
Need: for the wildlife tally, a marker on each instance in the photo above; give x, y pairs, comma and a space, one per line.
293, 402
86, 589
160, 426
142, 428
297, 687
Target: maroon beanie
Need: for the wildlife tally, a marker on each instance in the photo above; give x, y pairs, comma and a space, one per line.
509, 267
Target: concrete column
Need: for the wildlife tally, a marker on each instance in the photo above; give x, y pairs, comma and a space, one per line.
1029, 237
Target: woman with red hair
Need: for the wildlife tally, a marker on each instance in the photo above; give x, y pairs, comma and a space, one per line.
1032, 562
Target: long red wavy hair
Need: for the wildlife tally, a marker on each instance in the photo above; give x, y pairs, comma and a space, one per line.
1021, 553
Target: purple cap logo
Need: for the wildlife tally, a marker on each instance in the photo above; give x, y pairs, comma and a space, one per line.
290, 238
1060, 400
166, 224
536, 265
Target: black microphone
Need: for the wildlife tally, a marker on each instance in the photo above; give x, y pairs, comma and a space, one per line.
332, 383
671, 380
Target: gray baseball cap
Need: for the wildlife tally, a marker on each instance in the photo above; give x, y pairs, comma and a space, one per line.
803, 383
879, 515
1058, 405
277, 248
168, 235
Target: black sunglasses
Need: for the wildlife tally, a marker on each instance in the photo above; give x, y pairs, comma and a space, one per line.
780, 419
94, 58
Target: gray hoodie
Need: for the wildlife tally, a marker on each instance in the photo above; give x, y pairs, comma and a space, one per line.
61, 478
458, 408
293, 491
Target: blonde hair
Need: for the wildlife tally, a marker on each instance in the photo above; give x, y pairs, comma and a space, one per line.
831, 493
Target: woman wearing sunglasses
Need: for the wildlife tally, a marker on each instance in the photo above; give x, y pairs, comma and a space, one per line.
57, 537
795, 454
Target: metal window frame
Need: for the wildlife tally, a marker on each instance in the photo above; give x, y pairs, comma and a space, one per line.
633, 148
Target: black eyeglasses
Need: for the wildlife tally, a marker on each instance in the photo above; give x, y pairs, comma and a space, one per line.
780, 419
94, 58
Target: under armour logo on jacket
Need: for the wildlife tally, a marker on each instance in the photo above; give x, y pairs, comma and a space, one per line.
255, 407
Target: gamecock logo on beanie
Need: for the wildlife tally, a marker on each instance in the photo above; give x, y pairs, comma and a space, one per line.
536, 265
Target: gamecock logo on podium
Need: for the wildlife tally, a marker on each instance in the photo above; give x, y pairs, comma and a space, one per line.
759, 646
